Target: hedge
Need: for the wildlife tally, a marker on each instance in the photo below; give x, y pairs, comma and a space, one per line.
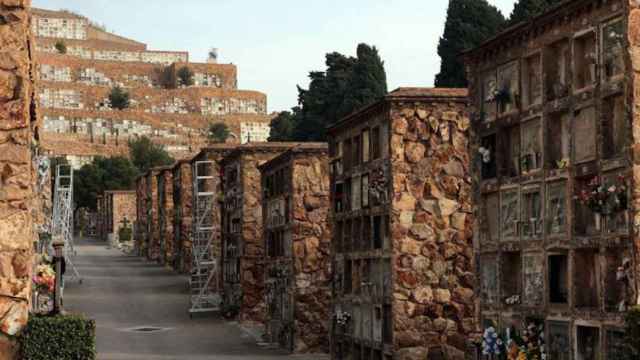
60, 337
632, 324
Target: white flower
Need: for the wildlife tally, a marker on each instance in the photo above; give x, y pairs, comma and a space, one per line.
612, 189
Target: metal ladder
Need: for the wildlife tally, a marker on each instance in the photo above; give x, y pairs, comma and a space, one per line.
204, 265
62, 224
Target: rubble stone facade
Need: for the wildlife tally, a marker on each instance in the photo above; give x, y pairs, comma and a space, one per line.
182, 214
401, 218
115, 207
556, 176
142, 223
152, 246
242, 246
79, 122
297, 241
18, 131
165, 215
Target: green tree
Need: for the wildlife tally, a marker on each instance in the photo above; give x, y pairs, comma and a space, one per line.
115, 173
523, 10
146, 155
282, 125
61, 47
119, 98
218, 132
185, 76
469, 23
345, 86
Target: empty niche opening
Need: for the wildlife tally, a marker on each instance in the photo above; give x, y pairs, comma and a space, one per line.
531, 224
612, 51
339, 197
365, 279
509, 215
614, 127
559, 340
377, 354
347, 240
531, 146
488, 157
556, 68
376, 278
377, 323
378, 232
348, 277
558, 140
375, 143
366, 232
365, 191
357, 351
357, 150
586, 222
356, 187
356, 233
587, 343
508, 96
556, 208
511, 280
585, 276
585, 60
510, 141
489, 92
347, 152
532, 81
618, 279
558, 279
387, 324
490, 227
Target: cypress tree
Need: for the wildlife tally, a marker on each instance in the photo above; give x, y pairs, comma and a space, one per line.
469, 23
368, 81
523, 10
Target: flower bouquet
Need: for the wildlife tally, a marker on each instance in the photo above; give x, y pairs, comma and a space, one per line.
605, 200
45, 278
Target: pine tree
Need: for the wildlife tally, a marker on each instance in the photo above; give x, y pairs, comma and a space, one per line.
348, 84
469, 23
368, 81
282, 125
523, 10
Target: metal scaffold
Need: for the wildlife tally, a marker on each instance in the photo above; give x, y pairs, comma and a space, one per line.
204, 277
62, 224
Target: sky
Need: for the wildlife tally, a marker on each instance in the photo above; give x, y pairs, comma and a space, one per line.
276, 43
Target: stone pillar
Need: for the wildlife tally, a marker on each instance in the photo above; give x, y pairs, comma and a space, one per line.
17, 117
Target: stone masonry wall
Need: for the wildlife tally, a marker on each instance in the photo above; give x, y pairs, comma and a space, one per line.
431, 229
141, 215
153, 239
182, 219
165, 215
17, 123
633, 34
311, 246
124, 206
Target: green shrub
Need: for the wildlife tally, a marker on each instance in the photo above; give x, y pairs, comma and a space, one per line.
60, 337
632, 332
124, 234
119, 98
185, 76
61, 47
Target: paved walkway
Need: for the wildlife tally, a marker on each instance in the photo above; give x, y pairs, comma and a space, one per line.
122, 292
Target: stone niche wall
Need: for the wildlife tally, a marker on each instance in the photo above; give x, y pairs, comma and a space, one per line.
165, 215
182, 215
18, 124
242, 248
153, 230
297, 240
544, 256
401, 213
142, 236
124, 207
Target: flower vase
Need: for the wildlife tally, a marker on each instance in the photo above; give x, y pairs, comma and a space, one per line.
598, 221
